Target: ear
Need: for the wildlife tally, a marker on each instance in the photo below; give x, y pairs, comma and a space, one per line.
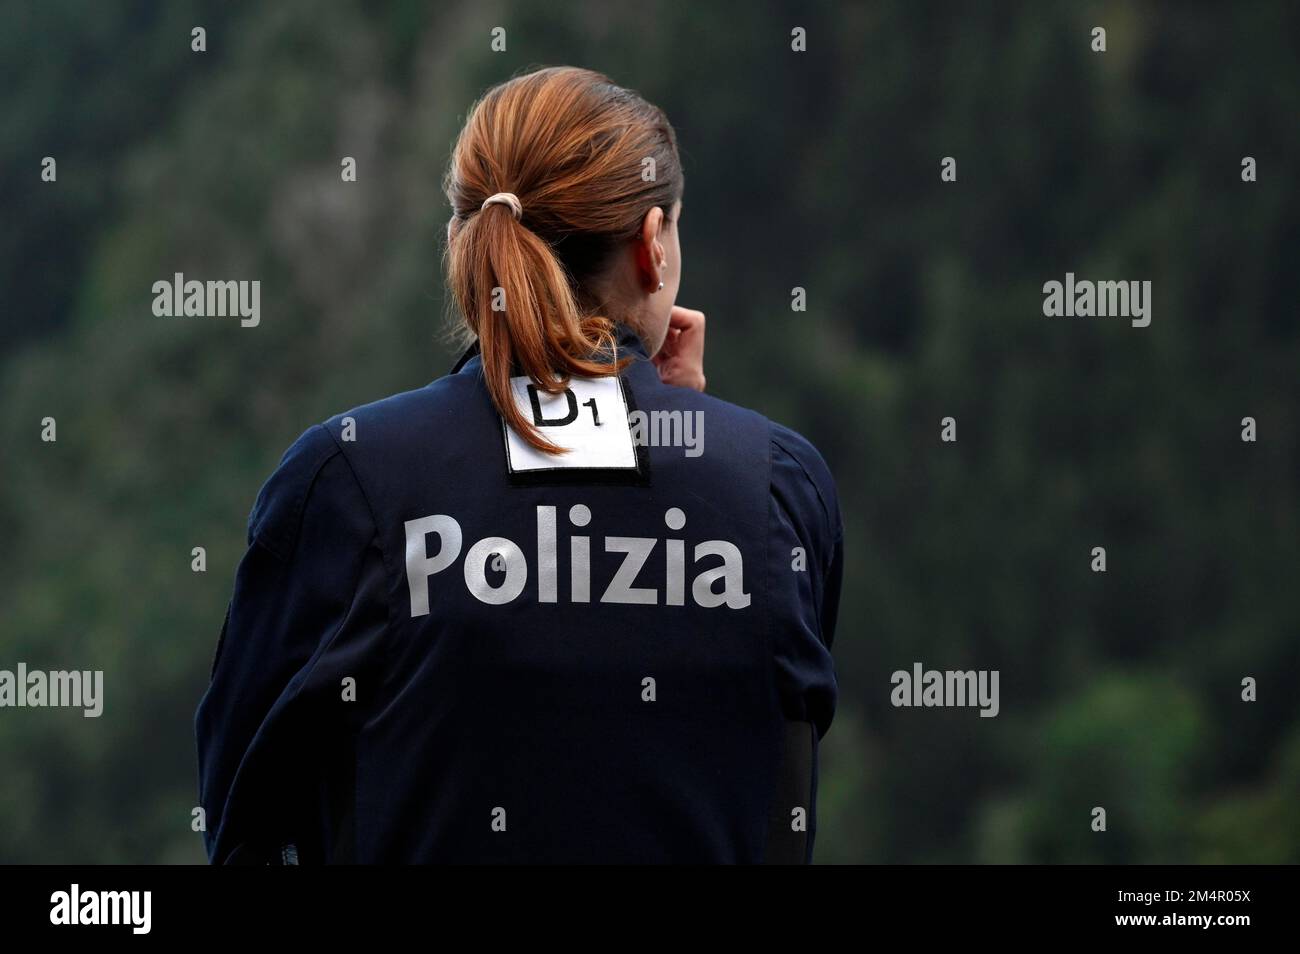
649, 250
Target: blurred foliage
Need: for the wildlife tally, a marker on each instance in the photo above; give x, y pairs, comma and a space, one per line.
818, 170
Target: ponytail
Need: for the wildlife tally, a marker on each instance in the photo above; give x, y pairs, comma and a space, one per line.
516, 298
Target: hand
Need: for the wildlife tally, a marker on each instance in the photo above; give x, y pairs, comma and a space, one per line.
680, 361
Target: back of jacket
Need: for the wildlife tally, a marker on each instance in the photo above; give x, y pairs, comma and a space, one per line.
445, 647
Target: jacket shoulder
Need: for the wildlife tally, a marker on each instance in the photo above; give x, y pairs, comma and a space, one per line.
441, 402
798, 468
319, 463
277, 511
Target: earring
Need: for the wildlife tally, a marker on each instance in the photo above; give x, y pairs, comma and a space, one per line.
661, 287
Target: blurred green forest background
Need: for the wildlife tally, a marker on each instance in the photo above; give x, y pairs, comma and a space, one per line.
816, 169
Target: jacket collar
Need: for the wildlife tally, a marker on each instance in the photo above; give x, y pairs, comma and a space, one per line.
627, 341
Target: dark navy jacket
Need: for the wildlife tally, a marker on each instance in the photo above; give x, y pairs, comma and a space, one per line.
435, 654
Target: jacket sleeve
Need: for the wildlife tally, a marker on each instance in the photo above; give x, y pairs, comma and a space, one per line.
807, 564
805, 557
308, 615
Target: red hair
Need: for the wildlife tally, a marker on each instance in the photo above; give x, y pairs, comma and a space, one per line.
587, 160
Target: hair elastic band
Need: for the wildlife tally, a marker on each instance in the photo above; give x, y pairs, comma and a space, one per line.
505, 198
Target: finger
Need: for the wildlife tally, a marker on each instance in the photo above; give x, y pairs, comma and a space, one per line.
685, 319
671, 343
